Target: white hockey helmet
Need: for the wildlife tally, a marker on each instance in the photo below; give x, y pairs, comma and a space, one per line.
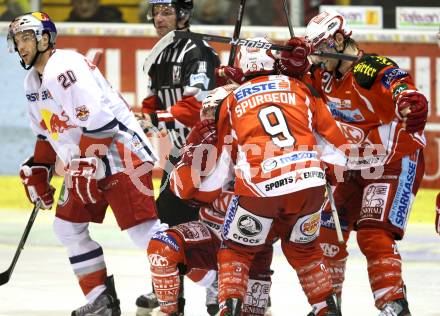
256, 61
38, 22
325, 25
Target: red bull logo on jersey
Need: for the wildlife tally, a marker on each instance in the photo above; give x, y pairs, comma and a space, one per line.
55, 124
82, 113
261, 87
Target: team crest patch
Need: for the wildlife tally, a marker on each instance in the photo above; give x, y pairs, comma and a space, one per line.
82, 113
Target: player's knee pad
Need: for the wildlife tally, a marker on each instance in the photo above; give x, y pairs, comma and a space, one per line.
245, 228
141, 234
257, 297
74, 236
384, 265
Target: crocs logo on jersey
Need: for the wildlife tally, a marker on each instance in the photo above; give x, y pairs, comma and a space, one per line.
403, 198
249, 226
157, 260
252, 89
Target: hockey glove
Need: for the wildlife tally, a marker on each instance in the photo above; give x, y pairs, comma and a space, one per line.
295, 63
144, 121
412, 108
225, 73
203, 133
36, 181
437, 214
84, 174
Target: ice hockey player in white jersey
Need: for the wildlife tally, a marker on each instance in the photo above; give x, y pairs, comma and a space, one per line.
77, 117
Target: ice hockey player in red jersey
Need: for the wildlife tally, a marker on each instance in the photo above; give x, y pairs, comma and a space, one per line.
381, 112
77, 117
269, 124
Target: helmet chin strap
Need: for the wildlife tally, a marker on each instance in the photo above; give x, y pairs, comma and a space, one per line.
38, 53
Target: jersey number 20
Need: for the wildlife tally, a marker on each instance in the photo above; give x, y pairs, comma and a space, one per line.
275, 125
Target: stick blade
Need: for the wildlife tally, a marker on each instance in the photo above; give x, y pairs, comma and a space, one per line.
157, 49
5, 276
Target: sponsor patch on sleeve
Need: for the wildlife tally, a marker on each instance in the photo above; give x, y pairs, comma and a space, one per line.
392, 74
199, 79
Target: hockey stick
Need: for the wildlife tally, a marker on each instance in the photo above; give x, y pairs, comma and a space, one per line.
157, 49
334, 213
5, 276
289, 21
253, 43
237, 30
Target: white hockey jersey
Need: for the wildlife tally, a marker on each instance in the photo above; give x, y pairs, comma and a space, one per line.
72, 100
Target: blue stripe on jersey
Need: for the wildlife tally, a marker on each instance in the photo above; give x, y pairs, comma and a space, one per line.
402, 202
124, 128
106, 127
86, 256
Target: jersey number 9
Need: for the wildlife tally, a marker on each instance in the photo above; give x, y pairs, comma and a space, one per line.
274, 123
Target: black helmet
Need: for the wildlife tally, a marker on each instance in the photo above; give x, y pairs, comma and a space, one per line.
183, 8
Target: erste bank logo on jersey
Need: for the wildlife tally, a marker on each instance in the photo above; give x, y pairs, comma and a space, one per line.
249, 90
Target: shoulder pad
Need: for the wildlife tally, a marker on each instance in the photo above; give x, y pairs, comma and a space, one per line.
366, 70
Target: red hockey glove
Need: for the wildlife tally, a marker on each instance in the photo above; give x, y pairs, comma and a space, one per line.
294, 63
150, 104
36, 181
437, 214
203, 133
224, 73
412, 107
84, 174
